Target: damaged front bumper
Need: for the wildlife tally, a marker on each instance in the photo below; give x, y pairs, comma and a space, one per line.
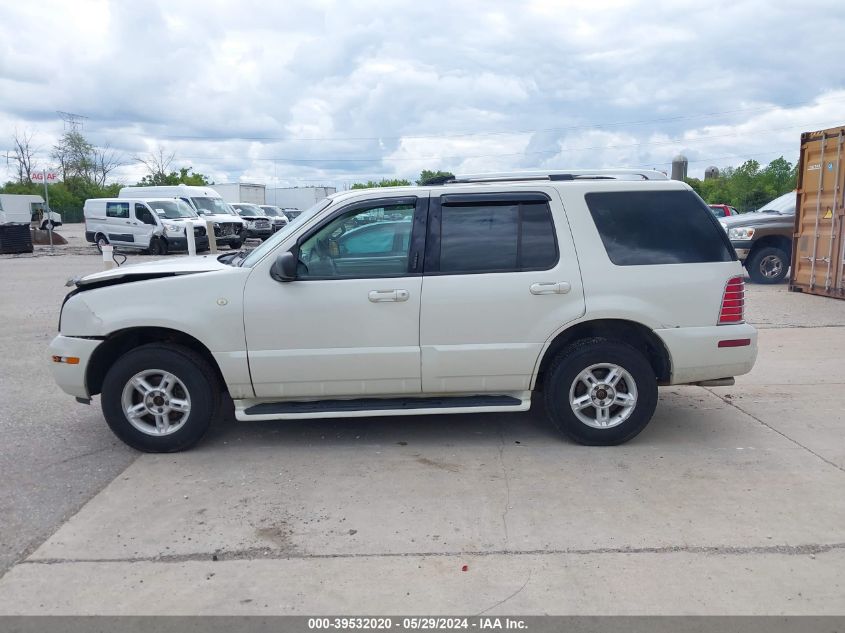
69, 358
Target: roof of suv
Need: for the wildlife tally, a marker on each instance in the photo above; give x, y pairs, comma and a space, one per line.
591, 179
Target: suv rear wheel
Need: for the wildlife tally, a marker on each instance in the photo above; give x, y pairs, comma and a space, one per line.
768, 265
600, 392
160, 399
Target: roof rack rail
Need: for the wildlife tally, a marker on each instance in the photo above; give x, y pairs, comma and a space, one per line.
561, 174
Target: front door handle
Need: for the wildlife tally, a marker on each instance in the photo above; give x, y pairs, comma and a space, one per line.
381, 296
550, 288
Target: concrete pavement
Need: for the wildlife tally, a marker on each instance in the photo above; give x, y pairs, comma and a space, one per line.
710, 510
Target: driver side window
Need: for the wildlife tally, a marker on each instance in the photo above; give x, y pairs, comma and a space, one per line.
367, 242
143, 214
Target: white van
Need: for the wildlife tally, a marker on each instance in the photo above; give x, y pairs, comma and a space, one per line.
20, 208
229, 229
158, 226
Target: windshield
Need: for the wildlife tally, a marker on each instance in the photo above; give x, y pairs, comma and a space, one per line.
249, 209
785, 205
210, 206
270, 243
171, 209
271, 211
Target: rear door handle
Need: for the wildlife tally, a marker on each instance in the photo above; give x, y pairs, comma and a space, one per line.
550, 288
381, 296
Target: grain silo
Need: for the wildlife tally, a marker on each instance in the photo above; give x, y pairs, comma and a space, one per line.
679, 167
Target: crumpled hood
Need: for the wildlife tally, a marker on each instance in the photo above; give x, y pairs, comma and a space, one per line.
151, 270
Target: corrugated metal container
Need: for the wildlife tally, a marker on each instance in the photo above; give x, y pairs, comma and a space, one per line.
818, 250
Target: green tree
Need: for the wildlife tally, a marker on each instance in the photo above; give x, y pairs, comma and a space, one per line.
778, 177
74, 155
429, 177
384, 182
185, 176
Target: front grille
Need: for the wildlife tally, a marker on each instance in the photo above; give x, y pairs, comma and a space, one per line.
199, 231
222, 230
262, 224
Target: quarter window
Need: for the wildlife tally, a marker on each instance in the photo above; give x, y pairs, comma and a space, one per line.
657, 227
117, 210
496, 238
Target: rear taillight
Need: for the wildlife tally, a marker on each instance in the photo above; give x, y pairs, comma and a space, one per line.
733, 302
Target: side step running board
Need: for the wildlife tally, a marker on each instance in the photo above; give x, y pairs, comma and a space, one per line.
361, 407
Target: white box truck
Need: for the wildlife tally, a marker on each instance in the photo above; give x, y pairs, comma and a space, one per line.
300, 198
24, 209
241, 192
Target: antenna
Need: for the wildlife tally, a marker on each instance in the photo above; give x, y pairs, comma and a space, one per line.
74, 122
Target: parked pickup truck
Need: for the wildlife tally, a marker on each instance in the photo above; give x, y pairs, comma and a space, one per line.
763, 238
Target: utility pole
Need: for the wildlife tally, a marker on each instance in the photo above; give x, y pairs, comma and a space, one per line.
49, 213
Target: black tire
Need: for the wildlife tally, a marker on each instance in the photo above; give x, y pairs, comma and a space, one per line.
158, 246
198, 378
578, 357
236, 244
767, 265
99, 241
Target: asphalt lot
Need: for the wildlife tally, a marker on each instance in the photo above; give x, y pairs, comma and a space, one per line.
730, 502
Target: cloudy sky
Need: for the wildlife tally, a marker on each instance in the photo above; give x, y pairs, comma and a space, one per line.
317, 92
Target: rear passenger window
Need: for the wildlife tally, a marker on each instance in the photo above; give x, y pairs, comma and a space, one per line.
117, 210
496, 238
657, 227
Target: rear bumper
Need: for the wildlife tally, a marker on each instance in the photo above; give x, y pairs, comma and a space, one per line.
71, 378
696, 356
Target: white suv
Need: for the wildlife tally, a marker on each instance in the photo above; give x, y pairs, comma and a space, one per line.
465, 297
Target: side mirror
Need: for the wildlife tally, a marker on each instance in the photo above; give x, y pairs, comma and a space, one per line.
284, 268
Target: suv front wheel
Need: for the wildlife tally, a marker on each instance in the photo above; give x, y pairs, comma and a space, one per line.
600, 392
160, 399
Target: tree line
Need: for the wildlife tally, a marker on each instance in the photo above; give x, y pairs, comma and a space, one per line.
85, 171
749, 186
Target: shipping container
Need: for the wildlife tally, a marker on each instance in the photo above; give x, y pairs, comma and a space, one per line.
818, 249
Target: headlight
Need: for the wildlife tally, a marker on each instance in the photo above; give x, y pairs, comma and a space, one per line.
172, 229
740, 233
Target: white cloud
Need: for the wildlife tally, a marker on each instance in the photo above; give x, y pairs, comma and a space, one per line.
305, 91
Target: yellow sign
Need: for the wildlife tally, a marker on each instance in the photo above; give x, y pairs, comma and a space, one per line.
828, 215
